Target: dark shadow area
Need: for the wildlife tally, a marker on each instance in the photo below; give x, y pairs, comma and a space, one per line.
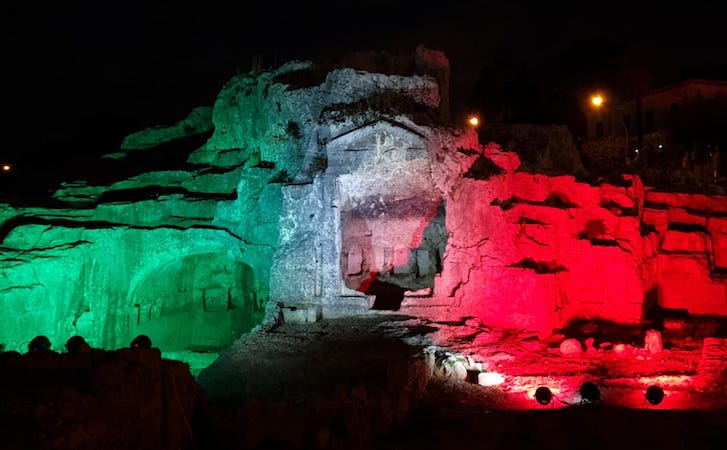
598, 177
154, 192
578, 427
33, 182
388, 296
540, 267
301, 79
505, 204
542, 148
676, 326
554, 200
655, 205
602, 330
91, 392
721, 331
604, 242
679, 323
525, 220
171, 155
17, 221
646, 229
558, 200
650, 309
625, 211
483, 169
688, 227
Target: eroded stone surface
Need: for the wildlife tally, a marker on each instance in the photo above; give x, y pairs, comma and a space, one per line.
331, 199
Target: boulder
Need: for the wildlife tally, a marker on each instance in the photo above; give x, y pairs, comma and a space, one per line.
571, 347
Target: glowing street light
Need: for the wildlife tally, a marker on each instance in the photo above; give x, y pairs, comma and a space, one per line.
473, 121
598, 101
6, 167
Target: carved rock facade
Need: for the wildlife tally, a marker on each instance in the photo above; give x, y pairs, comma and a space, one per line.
311, 200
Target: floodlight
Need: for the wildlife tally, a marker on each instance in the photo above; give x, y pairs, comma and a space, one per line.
543, 395
589, 392
141, 341
654, 394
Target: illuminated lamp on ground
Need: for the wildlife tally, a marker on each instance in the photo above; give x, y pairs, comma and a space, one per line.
590, 392
543, 395
490, 379
654, 395
141, 341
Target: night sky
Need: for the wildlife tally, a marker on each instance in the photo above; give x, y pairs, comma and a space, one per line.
80, 76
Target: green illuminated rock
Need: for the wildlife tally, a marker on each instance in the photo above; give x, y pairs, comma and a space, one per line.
191, 256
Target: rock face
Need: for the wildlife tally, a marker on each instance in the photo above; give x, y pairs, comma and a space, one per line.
334, 198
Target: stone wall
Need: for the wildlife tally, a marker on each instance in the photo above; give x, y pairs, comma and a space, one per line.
533, 251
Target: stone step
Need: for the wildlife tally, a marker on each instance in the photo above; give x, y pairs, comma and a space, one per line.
714, 357
712, 367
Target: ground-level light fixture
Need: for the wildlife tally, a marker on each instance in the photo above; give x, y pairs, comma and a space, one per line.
490, 379
543, 395
654, 394
590, 392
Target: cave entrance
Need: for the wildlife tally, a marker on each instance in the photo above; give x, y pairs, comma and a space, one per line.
199, 303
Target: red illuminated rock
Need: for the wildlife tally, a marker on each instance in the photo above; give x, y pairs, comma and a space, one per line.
571, 347
652, 342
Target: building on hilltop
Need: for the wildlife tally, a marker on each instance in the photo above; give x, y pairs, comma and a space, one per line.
687, 112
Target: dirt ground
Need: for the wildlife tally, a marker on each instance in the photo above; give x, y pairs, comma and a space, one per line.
442, 407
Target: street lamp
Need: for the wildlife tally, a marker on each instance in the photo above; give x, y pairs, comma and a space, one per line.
598, 101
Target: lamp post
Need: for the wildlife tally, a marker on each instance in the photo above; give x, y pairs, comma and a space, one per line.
598, 101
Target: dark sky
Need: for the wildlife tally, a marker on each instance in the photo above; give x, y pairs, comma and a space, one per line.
85, 71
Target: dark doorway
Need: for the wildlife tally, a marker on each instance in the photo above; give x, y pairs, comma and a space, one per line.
388, 296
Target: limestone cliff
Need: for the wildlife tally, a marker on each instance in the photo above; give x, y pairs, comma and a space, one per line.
335, 198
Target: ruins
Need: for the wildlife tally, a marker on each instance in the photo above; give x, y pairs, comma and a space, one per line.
315, 197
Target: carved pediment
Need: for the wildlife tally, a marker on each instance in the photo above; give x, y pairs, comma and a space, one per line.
381, 134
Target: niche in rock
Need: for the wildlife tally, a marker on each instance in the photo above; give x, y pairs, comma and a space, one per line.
391, 246
199, 302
